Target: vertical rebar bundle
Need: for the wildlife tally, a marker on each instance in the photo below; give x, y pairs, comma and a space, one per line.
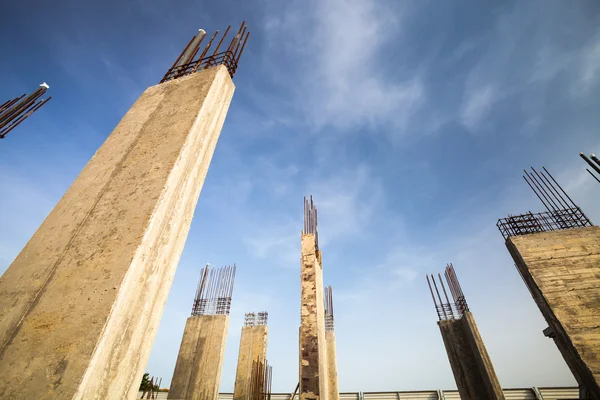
329, 323
562, 212
150, 392
311, 220
15, 111
213, 294
593, 162
189, 61
256, 319
260, 381
250, 319
455, 289
262, 318
447, 310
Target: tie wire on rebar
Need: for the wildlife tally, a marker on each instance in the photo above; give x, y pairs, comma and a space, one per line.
214, 291
593, 162
448, 310
311, 220
15, 111
187, 62
562, 212
329, 319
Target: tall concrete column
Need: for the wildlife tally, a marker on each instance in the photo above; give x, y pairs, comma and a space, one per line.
313, 346
81, 303
199, 363
200, 360
253, 349
562, 272
472, 368
471, 365
332, 374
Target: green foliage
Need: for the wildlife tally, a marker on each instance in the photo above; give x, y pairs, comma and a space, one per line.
145, 384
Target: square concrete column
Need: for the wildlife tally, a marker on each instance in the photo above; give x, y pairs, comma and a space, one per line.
200, 360
332, 375
471, 365
81, 303
313, 345
253, 349
562, 272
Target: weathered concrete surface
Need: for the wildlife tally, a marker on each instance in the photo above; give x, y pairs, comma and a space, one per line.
471, 365
313, 346
562, 271
332, 375
253, 347
81, 303
200, 361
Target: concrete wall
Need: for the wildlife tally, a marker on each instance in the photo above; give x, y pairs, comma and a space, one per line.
313, 347
253, 347
81, 303
332, 374
200, 360
562, 272
471, 365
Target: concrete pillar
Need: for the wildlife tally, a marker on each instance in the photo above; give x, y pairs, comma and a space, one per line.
332, 375
313, 347
562, 272
81, 303
253, 347
471, 365
200, 360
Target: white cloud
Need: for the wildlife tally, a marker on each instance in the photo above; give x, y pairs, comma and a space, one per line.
476, 105
589, 69
345, 202
340, 44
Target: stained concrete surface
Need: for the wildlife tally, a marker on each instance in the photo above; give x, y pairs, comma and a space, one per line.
562, 271
332, 374
472, 368
200, 360
81, 303
253, 347
313, 346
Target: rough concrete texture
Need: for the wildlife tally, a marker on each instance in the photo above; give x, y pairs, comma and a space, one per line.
471, 365
332, 374
562, 271
313, 346
200, 361
253, 347
81, 303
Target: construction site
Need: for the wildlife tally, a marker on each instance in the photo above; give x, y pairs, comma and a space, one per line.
82, 301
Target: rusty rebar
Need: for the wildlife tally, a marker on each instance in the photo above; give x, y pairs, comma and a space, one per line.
189, 62
14, 112
214, 291
311, 225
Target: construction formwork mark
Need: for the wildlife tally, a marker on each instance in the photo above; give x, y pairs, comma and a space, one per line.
214, 291
187, 62
446, 309
311, 220
329, 320
15, 111
593, 162
562, 212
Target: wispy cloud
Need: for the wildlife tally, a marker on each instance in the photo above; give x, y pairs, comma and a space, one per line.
476, 105
339, 46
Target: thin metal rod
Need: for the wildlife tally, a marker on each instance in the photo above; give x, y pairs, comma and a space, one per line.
591, 163
594, 176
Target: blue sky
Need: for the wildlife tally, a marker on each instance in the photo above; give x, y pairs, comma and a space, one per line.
409, 121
